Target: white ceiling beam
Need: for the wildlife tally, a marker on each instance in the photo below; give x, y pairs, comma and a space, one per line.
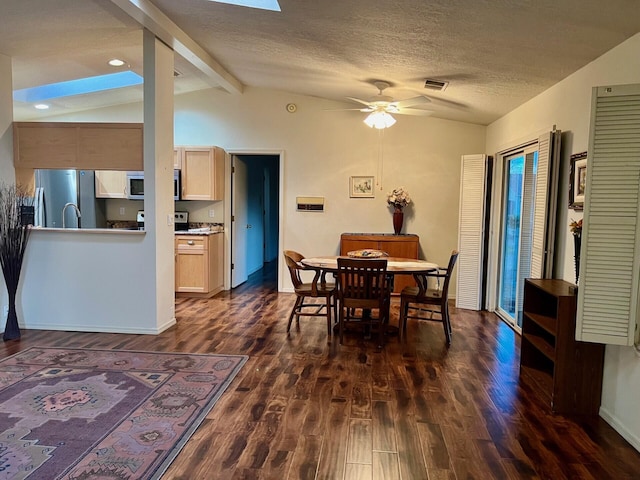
150, 17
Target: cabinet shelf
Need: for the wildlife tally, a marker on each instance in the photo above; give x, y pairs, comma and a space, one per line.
539, 342
547, 323
567, 374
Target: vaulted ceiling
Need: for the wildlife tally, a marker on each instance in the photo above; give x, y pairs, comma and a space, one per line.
495, 54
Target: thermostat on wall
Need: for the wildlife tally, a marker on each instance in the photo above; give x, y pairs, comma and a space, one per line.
310, 204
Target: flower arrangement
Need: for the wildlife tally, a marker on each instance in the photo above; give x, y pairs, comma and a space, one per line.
399, 198
576, 227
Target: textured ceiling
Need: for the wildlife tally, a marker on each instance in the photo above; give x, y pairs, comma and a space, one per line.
496, 54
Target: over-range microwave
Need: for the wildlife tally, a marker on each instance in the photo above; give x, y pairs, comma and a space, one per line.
135, 185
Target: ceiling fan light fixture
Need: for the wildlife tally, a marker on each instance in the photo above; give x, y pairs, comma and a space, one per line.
379, 120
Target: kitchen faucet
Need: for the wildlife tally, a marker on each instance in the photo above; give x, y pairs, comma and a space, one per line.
65, 208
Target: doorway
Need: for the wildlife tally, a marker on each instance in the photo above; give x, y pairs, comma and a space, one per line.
516, 233
255, 220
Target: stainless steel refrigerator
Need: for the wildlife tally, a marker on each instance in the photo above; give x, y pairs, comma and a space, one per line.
57, 188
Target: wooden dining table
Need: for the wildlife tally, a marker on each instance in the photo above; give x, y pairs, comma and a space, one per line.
395, 266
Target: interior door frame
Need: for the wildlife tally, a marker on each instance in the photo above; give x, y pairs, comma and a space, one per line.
227, 209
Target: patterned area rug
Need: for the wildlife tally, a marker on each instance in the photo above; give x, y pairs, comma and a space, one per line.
107, 414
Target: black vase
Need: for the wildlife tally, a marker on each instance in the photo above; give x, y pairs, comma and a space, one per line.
11, 329
577, 242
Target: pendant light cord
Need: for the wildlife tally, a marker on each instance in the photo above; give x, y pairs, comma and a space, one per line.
380, 158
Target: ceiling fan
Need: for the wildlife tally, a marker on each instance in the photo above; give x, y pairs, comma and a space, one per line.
382, 106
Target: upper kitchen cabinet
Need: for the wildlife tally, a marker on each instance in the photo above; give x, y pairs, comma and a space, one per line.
70, 145
177, 158
202, 170
111, 184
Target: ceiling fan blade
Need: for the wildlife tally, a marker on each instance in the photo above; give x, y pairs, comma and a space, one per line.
357, 100
415, 111
412, 101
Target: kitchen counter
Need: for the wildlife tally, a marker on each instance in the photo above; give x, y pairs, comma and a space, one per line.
119, 231
198, 231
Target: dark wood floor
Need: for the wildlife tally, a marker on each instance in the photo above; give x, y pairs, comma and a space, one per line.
306, 408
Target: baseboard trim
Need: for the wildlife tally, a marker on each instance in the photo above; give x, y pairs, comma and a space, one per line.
620, 428
99, 329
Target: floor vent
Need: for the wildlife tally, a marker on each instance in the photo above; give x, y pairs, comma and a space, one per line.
438, 85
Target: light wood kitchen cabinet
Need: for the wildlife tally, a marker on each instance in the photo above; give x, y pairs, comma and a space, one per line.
405, 246
177, 157
202, 173
111, 184
77, 145
199, 265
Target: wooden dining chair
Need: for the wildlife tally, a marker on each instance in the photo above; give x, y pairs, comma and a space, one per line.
420, 302
363, 294
314, 289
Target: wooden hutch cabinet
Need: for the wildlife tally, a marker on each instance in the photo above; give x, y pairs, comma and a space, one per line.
405, 246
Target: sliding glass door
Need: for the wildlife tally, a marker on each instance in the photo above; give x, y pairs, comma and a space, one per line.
518, 203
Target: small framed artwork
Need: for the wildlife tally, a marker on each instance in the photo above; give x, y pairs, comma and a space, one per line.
578, 180
361, 187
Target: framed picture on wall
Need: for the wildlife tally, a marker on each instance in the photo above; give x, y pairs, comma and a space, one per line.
361, 186
578, 180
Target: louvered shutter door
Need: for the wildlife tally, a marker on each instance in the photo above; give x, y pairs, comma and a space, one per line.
609, 270
544, 217
471, 231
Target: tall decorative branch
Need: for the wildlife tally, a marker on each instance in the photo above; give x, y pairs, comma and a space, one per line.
13, 244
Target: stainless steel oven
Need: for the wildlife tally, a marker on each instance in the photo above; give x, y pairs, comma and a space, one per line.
135, 185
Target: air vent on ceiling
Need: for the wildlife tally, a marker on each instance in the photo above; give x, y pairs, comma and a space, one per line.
435, 84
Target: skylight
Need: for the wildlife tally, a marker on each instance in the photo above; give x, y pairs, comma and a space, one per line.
78, 87
262, 4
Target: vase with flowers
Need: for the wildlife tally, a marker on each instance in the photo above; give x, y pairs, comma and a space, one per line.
576, 230
398, 198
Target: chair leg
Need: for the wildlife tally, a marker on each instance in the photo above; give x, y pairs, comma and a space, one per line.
294, 311
329, 316
402, 322
341, 323
382, 329
444, 313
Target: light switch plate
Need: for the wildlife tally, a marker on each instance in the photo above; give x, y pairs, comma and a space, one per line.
170, 220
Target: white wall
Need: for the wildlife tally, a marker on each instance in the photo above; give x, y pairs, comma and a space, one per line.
568, 105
